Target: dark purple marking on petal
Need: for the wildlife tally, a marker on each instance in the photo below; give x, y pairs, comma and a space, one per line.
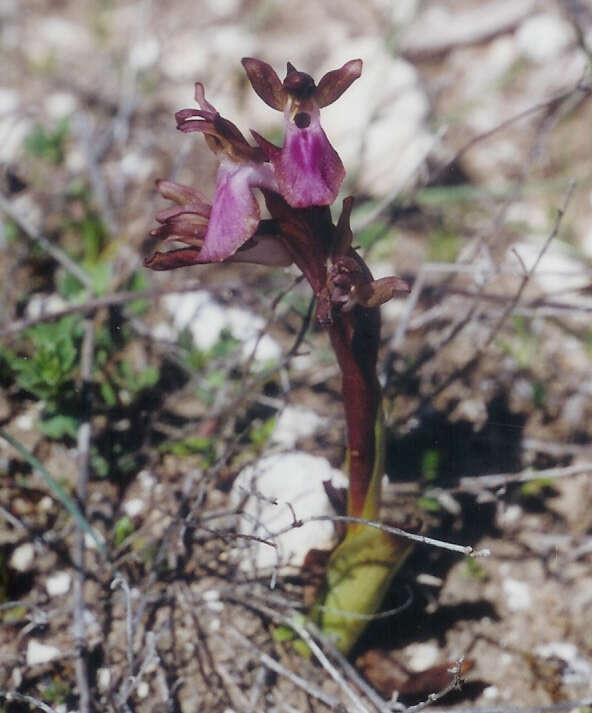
302, 119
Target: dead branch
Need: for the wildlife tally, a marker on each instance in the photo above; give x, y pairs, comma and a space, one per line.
84, 442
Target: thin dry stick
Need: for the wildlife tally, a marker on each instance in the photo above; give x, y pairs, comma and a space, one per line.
322, 658
351, 671
276, 667
553, 708
433, 697
499, 480
422, 539
33, 234
10, 696
118, 298
84, 441
120, 581
483, 136
529, 273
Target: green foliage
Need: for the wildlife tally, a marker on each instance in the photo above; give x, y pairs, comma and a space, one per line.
137, 283
430, 463
190, 446
444, 246
50, 368
124, 527
47, 144
59, 425
429, 504
9, 231
367, 237
14, 615
56, 692
473, 569
535, 488
261, 431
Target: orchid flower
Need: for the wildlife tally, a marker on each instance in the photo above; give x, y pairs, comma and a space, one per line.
307, 168
299, 181
216, 232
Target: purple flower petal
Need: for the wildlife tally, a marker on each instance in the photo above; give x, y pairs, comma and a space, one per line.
235, 211
308, 170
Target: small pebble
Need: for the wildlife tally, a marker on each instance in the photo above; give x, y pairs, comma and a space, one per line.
39, 653
58, 583
22, 557
518, 596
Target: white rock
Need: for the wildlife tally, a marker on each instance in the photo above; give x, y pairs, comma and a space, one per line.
9, 100
103, 679
578, 670
89, 540
144, 53
206, 319
143, 689
491, 693
422, 655
60, 104
544, 36
163, 331
133, 507
294, 478
559, 267
137, 165
13, 130
185, 58
381, 116
57, 32
41, 304
295, 422
39, 653
518, 595
58, 583
146, 479
211, 597
223, 8
22, 557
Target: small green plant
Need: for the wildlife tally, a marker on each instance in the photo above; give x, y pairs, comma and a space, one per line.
261, 431
56, 692
50, 367
191, 446
47, 144
124, 527
444, 246
473, 569
535, 488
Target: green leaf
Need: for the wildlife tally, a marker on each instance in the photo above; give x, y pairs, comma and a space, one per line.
188, 446
99, 464
47, 144
428, 504
124, 527
260, 432
59, 426
535, 488
53, 360
429, 464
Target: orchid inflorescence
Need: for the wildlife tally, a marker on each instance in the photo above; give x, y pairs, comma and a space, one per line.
299, 182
